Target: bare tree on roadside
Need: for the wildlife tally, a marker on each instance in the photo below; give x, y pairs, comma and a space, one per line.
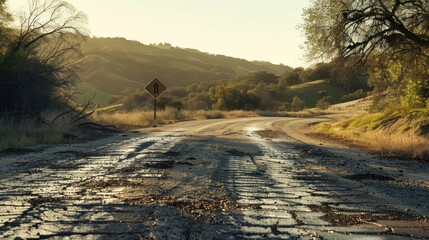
40, 59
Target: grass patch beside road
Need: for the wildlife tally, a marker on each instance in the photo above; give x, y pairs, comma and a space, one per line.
394, 133
27, 134
140, 118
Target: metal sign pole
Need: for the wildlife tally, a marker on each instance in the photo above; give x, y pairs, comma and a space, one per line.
154, 109
155, 88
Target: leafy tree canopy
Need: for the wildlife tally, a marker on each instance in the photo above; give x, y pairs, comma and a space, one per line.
390, 36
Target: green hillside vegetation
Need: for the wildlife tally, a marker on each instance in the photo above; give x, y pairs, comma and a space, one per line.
257, 91
112, 65
116, 68
88, 92
315, 90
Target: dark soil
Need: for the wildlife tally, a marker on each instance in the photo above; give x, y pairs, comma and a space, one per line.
342, 218
369, 176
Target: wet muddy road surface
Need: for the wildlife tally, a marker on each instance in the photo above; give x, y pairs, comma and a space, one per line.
250, 178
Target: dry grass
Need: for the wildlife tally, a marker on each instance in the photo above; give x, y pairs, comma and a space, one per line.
301, 114
14, 136
399, 144
140, 118
387, 140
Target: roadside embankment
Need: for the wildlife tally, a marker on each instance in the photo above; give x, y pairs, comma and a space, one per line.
393, 133
141, 118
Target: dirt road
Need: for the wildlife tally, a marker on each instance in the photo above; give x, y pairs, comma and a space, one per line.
214, 179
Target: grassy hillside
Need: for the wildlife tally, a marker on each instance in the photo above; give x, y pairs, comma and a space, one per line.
119, 67
112, 65
311, 92
90, 92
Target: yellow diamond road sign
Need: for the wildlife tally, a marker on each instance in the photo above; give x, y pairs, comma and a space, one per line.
155, 88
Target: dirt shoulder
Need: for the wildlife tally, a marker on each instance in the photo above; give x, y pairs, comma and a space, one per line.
300, 129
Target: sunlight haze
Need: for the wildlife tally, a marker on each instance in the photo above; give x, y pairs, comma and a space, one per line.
253, 30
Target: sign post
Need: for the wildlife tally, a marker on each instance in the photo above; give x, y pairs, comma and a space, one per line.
154, 109
155, 88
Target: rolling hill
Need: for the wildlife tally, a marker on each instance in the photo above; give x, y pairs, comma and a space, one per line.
310, 92
112, 65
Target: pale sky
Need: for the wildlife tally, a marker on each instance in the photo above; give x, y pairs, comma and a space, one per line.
263, 30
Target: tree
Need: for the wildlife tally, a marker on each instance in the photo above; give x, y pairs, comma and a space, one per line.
198, 101
5, 19
416, 94
262, 77
284, 106
380, 33
169, 102
348, 27
324, 102
297, 104
233, 97
349, 73
291, 77
263, 92
136, 100
39, 60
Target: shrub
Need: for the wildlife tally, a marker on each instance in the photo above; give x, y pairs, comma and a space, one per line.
284, 107
416, 94
297, 104
360, 93
38, 61
324, 103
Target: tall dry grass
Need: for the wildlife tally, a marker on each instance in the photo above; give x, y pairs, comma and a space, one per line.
140, 118
28, 133
380, 140
398, 144
300, 114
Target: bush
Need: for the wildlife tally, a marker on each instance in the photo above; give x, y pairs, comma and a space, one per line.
416, 94
38, 61
324, 103
360, 93
297, 104
284, 107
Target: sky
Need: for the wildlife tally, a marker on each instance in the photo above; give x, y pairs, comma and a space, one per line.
263, 30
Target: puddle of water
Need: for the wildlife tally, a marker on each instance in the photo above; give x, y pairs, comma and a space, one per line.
251, 129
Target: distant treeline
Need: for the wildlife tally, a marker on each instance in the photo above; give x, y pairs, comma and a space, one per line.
293, 90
